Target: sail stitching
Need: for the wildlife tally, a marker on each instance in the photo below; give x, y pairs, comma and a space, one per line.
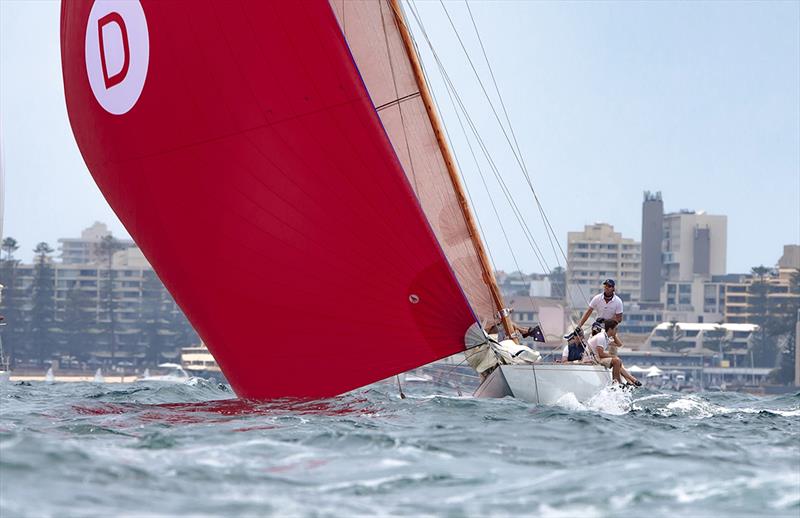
397, 101
399, 106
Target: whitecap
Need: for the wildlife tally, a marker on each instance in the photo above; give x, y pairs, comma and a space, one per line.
569, 402
611, 400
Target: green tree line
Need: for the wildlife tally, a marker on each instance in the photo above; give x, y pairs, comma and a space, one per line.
80, 326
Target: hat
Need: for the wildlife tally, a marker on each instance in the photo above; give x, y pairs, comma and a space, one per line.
598, 324
609, 282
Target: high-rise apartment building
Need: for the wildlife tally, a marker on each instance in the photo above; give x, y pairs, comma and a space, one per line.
599, 253
694, 243
790, 257
652, 238
84, 250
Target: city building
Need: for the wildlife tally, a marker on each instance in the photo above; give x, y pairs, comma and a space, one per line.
640, 319
731, 347
130, 288
699, 299
84, 250
652, 239
599, 253
790, 258
742, 299
694, 243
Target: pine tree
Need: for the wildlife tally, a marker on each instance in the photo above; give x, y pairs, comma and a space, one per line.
716, 339
43, 304
105, 251
78, 326
13, 299
672, 341
154, 320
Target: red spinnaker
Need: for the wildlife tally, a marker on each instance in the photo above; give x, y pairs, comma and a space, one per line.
239, 147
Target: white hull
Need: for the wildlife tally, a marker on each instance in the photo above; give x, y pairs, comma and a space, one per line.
545, 383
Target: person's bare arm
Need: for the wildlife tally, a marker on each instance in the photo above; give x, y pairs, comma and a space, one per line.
618, 317
601, 353
585, 317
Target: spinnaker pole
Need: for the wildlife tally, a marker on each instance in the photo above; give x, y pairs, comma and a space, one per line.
447, 155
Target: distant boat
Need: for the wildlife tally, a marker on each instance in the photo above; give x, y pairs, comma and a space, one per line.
347, 240
98, 376
49, 377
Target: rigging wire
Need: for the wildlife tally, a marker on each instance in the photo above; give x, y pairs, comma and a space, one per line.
520, 160
458, 162
487, 154
514, 146
451, 92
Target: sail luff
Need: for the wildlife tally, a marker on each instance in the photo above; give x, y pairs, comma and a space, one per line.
447, 155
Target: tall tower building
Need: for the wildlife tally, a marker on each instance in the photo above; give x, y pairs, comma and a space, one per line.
694, 243
652, 237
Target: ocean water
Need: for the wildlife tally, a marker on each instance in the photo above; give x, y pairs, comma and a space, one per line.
150, 449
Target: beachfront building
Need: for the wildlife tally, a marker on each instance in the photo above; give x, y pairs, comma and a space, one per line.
84, 249
694, 244
697, 300
598, 253
745, 302
730, 343
84, 295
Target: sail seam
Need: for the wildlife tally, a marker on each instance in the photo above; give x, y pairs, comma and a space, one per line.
397, 101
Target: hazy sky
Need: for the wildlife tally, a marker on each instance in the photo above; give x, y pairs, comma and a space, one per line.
698, 100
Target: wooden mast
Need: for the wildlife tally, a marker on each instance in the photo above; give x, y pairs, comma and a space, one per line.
447, 155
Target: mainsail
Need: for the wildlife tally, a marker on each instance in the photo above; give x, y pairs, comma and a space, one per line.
240, 148
373, 34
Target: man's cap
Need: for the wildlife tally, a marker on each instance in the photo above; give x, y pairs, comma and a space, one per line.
597, 325
609, 282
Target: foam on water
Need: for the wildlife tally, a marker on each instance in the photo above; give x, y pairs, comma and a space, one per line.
190, 449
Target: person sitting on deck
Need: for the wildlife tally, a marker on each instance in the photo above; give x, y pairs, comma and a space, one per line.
573, 351
575, 348
599, 345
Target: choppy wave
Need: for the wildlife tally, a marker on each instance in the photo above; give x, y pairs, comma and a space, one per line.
150, 449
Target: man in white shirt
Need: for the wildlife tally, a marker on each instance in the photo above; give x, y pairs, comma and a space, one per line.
599, 345
607, 304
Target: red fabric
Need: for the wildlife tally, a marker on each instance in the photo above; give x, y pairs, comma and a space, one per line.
257, 179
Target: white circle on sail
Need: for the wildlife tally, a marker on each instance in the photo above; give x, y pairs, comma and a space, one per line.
117, 52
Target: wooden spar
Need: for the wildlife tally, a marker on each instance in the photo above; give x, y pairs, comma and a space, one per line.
447, 155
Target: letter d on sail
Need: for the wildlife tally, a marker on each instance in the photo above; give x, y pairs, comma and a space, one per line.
117, 51
106, 20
